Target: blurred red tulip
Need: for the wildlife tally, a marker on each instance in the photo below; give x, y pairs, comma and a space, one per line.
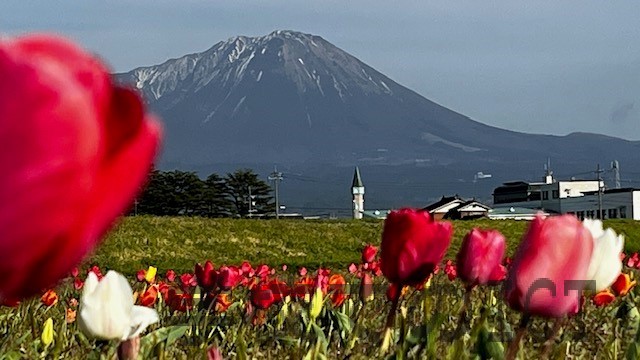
78, 283
75, 272
335, 286
9, 302
222, 303
369, 253
180, 302
214, 353
75, 146
279, 289
170, 275
96, 270
228, 277
302, 271
140, 275
623, 284
246, 268
554, 252
149, 297
262, 271
603, 298
450, 270
49, 298
353, 268
633, 260
206, 275
188, 281
303, 288
498, 275
480, 254
262, 297
412, 245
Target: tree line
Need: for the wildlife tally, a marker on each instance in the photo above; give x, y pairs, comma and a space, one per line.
183, 193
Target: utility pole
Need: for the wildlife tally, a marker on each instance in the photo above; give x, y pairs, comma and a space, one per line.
250, 203
276, 177
598, 172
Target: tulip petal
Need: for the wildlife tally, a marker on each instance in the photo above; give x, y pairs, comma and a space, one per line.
141, 318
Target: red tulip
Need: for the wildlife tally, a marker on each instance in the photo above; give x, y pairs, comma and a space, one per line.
228, 277
262, 297
222, 303
170, 275
303, 288
78, 283
49, 298
187, 281
180, 302
369, 253
497, 275
603, 298
302, 271
75, 147
96, 270
633, 260
412, 246
75, 272
246, 268
279, 289
140, 275
552, 258
451, 270
206, 275
149, 297
480, 254
623, 284
262, 271
336, 287
353, 268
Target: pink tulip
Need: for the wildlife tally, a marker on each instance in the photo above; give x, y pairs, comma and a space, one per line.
76, 149
412, 246
550, 267
479, 256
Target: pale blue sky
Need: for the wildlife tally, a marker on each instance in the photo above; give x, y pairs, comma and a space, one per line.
535, 66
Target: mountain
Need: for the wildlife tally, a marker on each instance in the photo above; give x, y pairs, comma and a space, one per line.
296, 100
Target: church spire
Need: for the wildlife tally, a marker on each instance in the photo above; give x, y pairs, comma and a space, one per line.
357, 180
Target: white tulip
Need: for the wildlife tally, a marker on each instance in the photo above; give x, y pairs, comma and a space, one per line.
605, 265
107, 311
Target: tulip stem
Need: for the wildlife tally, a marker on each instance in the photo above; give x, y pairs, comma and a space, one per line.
356, 329
466, 308
548, 344
391, 320
514, 346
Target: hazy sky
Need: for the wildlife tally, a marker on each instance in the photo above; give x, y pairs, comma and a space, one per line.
536, 66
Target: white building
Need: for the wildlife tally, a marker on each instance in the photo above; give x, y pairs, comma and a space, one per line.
579, 197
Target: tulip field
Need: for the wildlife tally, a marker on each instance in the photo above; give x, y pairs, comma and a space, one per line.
314, 290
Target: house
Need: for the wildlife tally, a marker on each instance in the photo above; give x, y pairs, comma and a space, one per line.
455, 207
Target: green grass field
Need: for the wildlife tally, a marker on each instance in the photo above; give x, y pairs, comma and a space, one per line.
168, 242
426, 325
